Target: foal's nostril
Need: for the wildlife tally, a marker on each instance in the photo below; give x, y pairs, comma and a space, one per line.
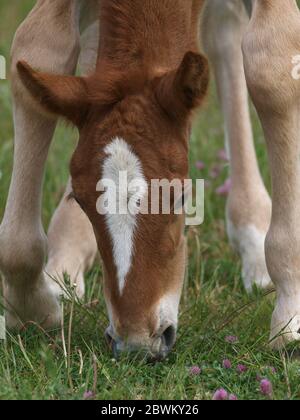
162, 345
169, 337
166, 343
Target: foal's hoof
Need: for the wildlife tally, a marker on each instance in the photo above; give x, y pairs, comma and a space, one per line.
254, 271
65, 286
285, 327
64, 282
35, 304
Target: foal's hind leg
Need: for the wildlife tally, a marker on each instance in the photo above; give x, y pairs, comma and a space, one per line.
72, 243
249, 206
48, 40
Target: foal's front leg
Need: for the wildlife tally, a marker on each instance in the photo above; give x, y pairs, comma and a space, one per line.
270, 44
72, 243
48, 40
249, 205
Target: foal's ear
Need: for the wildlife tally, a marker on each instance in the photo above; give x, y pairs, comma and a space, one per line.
64, 96
181, 91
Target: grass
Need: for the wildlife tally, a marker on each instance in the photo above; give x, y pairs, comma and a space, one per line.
38, 365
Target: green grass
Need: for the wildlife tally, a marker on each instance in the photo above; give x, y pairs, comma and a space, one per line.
36, 365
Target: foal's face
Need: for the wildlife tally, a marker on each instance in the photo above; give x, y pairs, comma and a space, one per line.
143, 254
124, 144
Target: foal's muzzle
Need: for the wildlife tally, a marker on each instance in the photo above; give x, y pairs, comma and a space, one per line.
157, 351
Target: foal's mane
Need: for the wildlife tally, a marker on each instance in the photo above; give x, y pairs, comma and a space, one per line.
140, 40
145, 32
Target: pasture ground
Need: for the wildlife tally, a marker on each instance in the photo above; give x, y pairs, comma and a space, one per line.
34, 365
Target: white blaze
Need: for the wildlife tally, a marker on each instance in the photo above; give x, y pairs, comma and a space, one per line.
122, 160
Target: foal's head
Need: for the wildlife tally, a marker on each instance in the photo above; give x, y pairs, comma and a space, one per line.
134, 127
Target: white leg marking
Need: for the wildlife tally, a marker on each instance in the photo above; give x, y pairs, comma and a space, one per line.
249, 242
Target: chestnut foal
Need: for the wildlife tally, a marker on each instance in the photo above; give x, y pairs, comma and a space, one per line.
134, 99
133, 114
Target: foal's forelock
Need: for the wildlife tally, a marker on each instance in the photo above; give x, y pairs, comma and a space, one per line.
122, 170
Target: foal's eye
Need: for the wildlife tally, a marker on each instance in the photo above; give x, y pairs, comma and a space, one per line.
78, 202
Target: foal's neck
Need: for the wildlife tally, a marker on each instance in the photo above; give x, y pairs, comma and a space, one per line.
151, 34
